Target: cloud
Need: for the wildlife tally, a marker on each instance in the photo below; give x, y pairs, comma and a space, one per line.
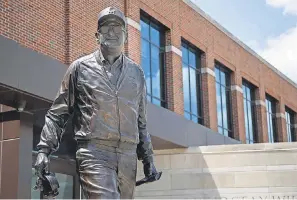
281, 52
290, 6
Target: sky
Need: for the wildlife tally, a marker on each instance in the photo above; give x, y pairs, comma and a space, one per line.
269, 27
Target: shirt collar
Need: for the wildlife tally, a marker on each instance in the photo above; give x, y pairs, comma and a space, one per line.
118, 61
105, 62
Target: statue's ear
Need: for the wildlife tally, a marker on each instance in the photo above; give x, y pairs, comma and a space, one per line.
126, 37
97, 37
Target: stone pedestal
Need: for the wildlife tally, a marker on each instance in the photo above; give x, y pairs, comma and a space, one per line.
256, 171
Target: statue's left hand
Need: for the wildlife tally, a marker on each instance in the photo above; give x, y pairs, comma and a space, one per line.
149, 169
150, 173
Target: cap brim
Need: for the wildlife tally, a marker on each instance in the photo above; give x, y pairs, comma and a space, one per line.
110, 18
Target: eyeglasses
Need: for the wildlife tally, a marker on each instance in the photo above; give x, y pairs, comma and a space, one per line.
116, 29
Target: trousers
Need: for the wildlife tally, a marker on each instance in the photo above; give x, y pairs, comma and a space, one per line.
106, 172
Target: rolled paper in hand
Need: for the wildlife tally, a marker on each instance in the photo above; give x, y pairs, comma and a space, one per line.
151, 178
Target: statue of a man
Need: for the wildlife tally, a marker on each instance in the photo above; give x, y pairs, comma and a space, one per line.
104, 94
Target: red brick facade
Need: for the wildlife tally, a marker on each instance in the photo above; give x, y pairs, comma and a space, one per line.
64, 30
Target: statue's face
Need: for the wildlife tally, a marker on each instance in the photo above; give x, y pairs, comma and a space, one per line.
112, 35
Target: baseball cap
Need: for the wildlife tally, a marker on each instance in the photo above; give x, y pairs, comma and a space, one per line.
106, 13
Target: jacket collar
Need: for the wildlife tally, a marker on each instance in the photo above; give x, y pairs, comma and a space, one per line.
105, 62
125, 65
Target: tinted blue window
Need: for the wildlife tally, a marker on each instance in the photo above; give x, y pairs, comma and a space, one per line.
223, 100
268, 126
187, 115
290, 125
145, 48
185, 54
155, 52
186, 88
271, 129
194, 119
192, 59
250, 121
244, 91
246, 118
223, 78
145, 62
248, 113
193, 91
156, 102
271, 123
248, 93
269, 107
191, 87
155, 36
144, 30
219, 104
224, 107
217, 73
226, 132
152, 61
155, 67
156, 78
289, 134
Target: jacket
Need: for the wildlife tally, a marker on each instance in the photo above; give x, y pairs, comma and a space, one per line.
98, 109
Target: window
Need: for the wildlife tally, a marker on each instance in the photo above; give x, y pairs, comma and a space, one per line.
153, 59
191, 83
249, 112
223, 100
271, 119
290, 125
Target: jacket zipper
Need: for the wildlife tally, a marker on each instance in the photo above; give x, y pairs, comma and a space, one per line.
118, 111
117, 104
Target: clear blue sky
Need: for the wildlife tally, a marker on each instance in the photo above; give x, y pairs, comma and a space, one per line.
267, 26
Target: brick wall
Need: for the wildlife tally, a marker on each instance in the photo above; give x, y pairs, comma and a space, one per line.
208, 89
184, 22
39, 25
65, 31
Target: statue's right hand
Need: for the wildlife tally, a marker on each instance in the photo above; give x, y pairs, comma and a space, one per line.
41, 165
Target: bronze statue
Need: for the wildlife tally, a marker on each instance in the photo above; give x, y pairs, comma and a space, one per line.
104, 94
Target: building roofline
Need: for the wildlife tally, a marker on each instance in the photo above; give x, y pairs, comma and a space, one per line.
239, 42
